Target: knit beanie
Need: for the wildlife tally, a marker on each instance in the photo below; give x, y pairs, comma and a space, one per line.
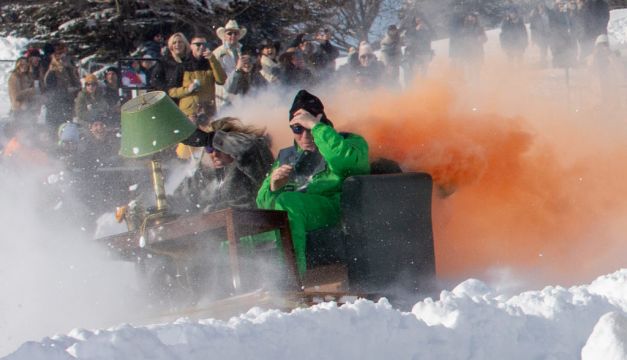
311, 103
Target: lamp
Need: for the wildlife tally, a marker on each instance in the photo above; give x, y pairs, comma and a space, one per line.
152, 122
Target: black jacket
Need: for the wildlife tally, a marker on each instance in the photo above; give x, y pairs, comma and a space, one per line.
165, 73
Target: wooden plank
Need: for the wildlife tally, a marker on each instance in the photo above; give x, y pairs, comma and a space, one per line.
233, 256
182, 234
294, 281
246, 221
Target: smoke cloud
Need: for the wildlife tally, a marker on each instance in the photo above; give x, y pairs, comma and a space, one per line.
54, 277
528, 172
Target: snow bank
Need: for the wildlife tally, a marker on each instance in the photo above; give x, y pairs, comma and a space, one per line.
469, 322
608, 340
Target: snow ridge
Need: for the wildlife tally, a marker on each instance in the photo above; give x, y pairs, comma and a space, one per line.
469, 322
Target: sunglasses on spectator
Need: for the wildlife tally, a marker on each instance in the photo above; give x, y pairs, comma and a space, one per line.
297, 129
90, 84
231, 33
200, 44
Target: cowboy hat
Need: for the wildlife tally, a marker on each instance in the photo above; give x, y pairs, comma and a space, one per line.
231, 25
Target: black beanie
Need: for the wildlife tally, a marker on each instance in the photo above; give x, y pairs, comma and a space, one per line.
305, 100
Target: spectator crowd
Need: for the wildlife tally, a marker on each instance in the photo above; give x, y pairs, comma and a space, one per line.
57, 113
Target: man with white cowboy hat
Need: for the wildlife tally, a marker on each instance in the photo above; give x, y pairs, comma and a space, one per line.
228, 53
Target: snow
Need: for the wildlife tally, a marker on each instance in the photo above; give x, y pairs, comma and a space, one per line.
608, 339
469, 322
617, 28
69, 24
474, 319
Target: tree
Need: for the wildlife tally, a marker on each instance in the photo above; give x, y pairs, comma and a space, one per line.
353, 20
440, 13
617, 4
273, 19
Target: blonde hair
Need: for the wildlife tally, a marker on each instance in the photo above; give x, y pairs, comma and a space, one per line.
183, 39
90, 77
228, 124
18, 61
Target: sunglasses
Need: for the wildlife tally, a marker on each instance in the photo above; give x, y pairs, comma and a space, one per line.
200, 44
231, 33
90, 84
297, 129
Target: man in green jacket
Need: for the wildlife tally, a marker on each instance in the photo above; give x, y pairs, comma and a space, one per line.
306, 180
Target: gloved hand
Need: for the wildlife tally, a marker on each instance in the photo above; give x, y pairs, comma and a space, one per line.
193, 86
200, 138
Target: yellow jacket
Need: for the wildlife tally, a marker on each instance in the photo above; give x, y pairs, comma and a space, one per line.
21, 91
208, 73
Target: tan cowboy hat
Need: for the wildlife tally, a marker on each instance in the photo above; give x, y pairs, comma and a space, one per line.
231, 25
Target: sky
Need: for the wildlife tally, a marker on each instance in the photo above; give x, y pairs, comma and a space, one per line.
530, 247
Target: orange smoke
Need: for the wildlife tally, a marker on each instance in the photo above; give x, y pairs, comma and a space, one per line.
531, 184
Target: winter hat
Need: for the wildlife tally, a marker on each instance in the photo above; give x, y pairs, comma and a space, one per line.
311, 103
265, 43
365, 49
113, 69
301, 38
149, 55
602, 39
231, 25
68, 132
48, 48
32, 52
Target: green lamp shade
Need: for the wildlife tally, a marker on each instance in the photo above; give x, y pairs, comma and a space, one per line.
152, 122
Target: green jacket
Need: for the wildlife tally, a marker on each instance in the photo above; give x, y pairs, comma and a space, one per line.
345, 155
